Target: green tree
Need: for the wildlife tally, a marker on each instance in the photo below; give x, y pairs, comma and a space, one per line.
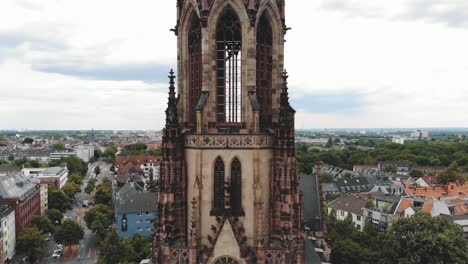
103, 194
28, 140
97, 153
43, 224
98, 219
58, 146
74, 164
327, 178
109, 153
112, 250
57, 199
71, 189
54, 215
426, 239
452, 174
329, 143
69, 233
11, 158
76, 178
416, 173
97, 170
90, 187
31, 243
142, 246
390, 168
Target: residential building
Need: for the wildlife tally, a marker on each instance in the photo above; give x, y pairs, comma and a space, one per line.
406, 208
136, 211
85, 152
358, 168
7, 229
54, 176
435, 192
420, 134
381, 209
61, 155
353, 185
145, 164
399, 140
330, 188
23, 194
349, 205
402, 167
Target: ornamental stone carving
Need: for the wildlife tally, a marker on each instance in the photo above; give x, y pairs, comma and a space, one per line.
228, 141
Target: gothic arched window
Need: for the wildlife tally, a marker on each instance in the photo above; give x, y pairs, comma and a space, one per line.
264, 69
195, 65
236, 188
218, 197
228, 67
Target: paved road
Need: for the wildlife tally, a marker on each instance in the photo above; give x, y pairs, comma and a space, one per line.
87, 251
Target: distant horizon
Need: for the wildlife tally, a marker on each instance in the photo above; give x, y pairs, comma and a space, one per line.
22, 130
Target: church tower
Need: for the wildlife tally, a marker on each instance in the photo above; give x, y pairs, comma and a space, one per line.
229, 189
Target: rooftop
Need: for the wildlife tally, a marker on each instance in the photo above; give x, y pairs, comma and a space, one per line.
349, 203
131, 200
15, 185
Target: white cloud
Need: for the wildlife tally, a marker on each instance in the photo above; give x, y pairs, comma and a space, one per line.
410, 72
406, 60
53, 101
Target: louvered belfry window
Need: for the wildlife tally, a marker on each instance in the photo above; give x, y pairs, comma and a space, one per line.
195, 64
236, 187
218, 199
264, 69
228, 70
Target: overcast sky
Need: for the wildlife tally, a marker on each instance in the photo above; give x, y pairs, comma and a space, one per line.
102, 64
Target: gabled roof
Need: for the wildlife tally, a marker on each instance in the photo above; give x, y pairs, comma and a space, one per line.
349, 203
353, 185
427, 207
436, 192
133, 201
405, 204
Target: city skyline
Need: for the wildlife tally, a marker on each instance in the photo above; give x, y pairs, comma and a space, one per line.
366, 64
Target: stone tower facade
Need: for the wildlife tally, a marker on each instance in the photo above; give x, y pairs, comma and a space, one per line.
229, 189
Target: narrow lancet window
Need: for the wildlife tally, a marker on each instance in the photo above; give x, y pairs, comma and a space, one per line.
228, 74
236, 188
264, 69
219, 182
195, 65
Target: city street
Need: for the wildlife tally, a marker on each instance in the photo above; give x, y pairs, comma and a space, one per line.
87, 250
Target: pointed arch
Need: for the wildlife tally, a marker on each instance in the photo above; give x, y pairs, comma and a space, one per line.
228, 66
236, 187
264, 68
218, 187
195, 64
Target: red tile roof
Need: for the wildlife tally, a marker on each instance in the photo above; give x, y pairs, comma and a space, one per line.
427, 207
125, 163
435, 192
405, 203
